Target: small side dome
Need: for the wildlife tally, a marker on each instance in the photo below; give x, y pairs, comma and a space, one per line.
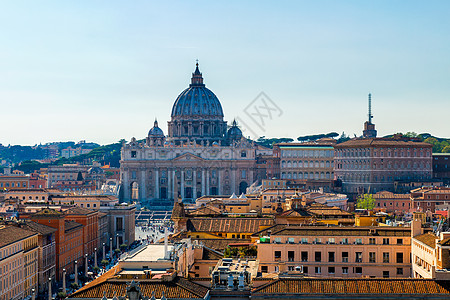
156, 131
234, 133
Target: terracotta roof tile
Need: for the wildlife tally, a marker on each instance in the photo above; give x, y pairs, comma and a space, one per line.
381, 142
428, 239
238, 225
178, 288
75, 210
354, 286
12, 234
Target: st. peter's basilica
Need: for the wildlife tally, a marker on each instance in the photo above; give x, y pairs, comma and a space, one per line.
201, 155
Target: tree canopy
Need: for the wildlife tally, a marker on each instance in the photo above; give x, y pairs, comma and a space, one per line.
365, 201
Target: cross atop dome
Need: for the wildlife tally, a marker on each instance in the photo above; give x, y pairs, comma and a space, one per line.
197, 79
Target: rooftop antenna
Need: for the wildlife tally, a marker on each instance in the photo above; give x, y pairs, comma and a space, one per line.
370, 109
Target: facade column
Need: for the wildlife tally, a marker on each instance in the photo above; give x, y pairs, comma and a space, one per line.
203, 182
142, 186
207, 182
194, 184
126, 186
174, 178
219, 182
182, 184
233, 180
157, 184
169, 184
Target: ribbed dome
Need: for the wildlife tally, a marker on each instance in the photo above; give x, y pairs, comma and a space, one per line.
197, 100
234, 133
155, 130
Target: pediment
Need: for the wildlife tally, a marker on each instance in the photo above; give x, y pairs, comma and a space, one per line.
188, 157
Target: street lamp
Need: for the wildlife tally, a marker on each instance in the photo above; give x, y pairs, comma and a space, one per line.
49, 288
110, 248
86, 265
64, 280
76, 272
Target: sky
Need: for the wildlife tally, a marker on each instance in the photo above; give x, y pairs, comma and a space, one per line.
102, 71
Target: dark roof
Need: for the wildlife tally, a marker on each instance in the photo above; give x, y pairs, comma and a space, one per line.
360, 287
39, 228
178, 210
239, 225
220, 244
12, 234
210, 254
75, 210
428, 239
179, 288
69, 225
381, 142
290, 230
445, 242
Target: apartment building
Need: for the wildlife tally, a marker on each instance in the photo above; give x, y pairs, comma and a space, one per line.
309, 164
429, 198
346, 252
430, 253
18, 262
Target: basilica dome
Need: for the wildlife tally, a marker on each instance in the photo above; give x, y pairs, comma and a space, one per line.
155, 130
197, 101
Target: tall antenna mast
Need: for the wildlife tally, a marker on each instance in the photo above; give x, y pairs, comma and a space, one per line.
370, 109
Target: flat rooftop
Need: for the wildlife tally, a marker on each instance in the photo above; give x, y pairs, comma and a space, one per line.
148, 253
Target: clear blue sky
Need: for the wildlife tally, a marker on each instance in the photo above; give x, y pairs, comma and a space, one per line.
103, 70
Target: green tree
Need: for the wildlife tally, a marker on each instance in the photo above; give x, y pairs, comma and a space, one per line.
365, 201
446, 149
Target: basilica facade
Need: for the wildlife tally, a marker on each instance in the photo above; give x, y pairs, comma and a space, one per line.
201, 155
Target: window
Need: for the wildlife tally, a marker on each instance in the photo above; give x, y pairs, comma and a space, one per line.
372, 257
331, 270
317, 270
243, 154
304, 256
358, 270
330, 256
385, 241
344, 241
399, 271
344, 256
291, 255
304, 241
277, 255
133, 154
119, 224
318, 256
291, 268
344, 270
264, 269
291, 241
399, 257
385, 257
305, 270
358, 257
277, 240
358, 241
400, 241
372, 241
331, 240
197, 267
385, 274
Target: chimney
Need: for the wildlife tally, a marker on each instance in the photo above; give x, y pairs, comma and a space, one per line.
416, 227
